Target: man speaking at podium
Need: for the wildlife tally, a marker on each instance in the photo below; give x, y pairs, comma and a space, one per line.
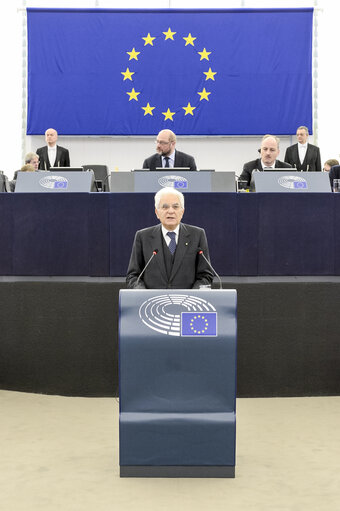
169, 255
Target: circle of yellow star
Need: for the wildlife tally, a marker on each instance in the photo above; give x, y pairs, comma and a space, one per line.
204, 54
189, 40
169, 34
189, 109
133, 94
148, 109
148, 39
210, 75
168, 115
127, 74
204, 94
133, 54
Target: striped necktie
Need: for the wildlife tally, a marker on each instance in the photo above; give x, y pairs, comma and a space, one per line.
172, 244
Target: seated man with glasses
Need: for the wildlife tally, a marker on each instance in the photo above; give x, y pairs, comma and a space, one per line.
169, 255
167, 156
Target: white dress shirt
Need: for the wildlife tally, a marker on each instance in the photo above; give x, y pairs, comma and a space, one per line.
167, 238
171, 161
52, 154
302, 148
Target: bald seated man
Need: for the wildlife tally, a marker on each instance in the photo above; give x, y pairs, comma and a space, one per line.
177, 262
52, 155
167, 156
269, 151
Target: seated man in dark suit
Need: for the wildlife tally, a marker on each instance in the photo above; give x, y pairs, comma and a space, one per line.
303, 156
269, 151
334, 173
166, 155
52, 155
176, 263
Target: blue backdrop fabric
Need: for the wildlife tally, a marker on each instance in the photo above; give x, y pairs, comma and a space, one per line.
197, 72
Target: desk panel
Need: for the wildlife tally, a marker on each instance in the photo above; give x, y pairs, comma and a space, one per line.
92, 234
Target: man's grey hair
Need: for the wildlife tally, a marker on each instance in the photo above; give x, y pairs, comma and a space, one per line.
303, 128
30, 156
271, 136
166, 190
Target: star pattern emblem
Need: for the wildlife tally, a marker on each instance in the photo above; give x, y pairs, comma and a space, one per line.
148, 109
133, 54
210, 75
168, 115
204, 94
189, 40
204, 54
148, 39
169, 34
189, 109
127, 74
133, 94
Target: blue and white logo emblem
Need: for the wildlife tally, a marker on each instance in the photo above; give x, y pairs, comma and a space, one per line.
179, 182
293, 182
54, 182
179, 315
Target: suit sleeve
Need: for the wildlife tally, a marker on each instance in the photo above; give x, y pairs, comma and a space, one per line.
192, 163
246, 174
41, 158
136, 264
204, 274
67, 158
146, 164
287, 157
318, 161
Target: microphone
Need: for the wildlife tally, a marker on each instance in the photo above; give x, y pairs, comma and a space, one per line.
200, 252
154, 252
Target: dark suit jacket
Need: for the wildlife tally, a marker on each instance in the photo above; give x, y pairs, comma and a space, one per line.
334, 173
189, 270
62, 159
256, 164
312, 158
181, 160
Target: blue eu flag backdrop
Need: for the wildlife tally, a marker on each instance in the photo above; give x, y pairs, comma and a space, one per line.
197, 72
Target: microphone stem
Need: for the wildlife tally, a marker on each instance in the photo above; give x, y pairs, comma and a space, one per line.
219, 278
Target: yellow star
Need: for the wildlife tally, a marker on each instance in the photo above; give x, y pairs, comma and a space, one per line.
133, 94
127, 74
148, 39
189, 109
189, 40
148, 109
210, 74
204, 94
133, 54
169, 34
204, 54
168, 115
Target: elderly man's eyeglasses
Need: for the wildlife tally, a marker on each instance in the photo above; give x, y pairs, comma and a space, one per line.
162, 142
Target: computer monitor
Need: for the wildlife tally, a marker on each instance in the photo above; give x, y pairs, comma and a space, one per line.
66, 169
168, 169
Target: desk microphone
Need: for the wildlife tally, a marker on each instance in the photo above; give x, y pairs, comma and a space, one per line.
154, 252
200, 252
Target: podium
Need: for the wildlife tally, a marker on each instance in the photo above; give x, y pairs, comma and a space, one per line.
177, 380
54, 182
145, 181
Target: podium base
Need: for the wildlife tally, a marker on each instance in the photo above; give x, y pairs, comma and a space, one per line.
177, 471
